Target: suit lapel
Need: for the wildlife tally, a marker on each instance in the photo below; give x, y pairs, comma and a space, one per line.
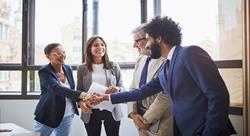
163, 81
52, 70
68, 76
138, 70
154, 69
171, 68
87, 81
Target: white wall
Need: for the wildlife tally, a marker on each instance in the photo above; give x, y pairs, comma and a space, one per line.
21, 112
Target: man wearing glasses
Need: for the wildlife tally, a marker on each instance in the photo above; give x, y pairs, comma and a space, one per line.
151, 115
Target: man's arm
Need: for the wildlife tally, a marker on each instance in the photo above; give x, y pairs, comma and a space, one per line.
158, 108
48, 81
132, 106
149, 89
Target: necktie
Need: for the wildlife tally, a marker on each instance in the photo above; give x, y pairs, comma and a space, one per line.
143, 79
144, 73
166, 67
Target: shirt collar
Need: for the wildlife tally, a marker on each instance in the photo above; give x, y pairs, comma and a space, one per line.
171, 52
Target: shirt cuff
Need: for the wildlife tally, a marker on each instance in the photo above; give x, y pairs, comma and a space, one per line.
109, 99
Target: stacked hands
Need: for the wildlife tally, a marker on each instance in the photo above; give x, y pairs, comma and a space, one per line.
90, 99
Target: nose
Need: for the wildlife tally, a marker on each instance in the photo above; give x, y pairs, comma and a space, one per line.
135, 45
147, 46
100, 46
62, 54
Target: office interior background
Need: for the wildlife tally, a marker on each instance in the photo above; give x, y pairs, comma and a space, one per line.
221, 27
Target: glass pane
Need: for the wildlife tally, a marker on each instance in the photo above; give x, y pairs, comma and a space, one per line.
233, 80
90, 18
115, 25
215, 25
33, 83
10, 31
59, 21
10, 82
150, 8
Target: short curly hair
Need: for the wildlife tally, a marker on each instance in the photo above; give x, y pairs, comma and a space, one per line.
165, 27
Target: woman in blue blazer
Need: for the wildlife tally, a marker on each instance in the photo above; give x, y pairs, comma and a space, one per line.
56, 107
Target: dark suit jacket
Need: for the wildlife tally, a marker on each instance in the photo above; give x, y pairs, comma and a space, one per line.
199, 95
51, 106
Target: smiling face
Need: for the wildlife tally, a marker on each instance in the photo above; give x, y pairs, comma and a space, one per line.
140, 42
98, 49
57, 56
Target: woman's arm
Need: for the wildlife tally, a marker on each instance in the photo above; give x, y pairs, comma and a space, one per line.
49, 82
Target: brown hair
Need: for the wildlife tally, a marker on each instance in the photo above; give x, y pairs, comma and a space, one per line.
89, 57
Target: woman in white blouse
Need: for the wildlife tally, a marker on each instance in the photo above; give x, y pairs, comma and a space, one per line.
97, 68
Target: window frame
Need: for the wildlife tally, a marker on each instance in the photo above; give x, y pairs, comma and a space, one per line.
28, 43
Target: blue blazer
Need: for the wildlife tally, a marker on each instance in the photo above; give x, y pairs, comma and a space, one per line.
51, 105
200, 99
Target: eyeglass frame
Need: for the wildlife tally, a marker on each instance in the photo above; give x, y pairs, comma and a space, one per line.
58, 54
138, 40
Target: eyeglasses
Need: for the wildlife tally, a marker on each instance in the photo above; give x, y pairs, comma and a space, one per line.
138, 40
58, 53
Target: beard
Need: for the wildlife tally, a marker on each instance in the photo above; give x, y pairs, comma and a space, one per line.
155, 51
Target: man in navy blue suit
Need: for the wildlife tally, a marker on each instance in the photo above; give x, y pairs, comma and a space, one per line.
200, 99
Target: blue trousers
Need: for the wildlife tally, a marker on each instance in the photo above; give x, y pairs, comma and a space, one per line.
62, 130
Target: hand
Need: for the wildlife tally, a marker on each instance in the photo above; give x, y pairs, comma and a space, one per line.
103, 97
83, 95
139, 121
85, 107
112, 89
93, 99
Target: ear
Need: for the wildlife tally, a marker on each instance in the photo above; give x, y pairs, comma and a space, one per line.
158, 39
48, 57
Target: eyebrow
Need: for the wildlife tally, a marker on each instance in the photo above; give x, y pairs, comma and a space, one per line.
137, 40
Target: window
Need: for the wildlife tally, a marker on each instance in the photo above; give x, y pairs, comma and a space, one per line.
218, 30
10, 82
4, 75
59, 21
216, 26
115, 24
10, 31
44, 24
10, 45
33, 83
150, 9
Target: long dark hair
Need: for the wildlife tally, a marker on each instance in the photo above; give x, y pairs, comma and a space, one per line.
89, 59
